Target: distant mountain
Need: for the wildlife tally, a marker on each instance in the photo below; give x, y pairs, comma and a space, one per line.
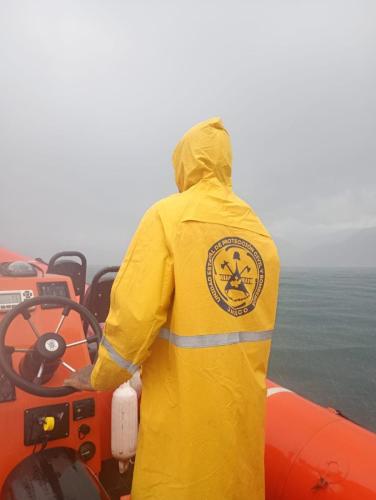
354, 249
359, 249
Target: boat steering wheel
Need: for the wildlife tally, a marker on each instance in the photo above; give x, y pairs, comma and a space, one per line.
49, 347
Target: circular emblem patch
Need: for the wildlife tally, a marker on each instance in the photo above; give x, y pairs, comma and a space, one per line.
235, 275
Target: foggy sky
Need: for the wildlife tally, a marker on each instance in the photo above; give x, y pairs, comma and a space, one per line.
94, 96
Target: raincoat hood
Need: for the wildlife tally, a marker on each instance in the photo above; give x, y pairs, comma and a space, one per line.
204, 152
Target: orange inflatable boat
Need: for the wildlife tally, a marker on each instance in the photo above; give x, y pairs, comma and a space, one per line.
56, 443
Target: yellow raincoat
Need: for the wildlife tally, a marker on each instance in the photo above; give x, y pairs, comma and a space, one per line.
195, 302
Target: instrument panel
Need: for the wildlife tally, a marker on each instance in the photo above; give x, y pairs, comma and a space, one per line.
11, 298
52, 289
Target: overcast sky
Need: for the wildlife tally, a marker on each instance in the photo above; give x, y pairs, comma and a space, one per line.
94, 96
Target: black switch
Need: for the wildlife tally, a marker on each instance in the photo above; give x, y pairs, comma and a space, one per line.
83, 431
83, 408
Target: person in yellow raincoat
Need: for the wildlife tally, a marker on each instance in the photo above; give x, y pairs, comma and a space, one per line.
195, 303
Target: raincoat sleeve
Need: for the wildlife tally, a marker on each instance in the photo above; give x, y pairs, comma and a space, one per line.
140, 300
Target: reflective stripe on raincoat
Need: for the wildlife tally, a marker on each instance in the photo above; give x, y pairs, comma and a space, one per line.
194, 303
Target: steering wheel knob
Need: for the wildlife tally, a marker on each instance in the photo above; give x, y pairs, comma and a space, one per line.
50, 346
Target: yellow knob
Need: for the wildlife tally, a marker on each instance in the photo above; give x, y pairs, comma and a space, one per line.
49, 424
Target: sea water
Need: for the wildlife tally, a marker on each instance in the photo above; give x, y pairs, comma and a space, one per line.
324, 346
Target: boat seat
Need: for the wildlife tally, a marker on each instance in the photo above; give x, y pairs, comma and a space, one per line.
54, 473
98, 294
59, 264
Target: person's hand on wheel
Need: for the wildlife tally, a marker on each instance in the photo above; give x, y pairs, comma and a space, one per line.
81, 379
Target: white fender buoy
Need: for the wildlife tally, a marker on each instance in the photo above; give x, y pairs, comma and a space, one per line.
124, 424
136, 383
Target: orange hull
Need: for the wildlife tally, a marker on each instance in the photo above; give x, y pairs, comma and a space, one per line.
311, 452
